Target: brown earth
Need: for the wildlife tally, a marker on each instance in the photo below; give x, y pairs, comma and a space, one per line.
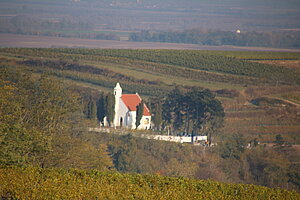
30, 41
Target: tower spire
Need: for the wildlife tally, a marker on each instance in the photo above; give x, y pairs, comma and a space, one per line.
118, 90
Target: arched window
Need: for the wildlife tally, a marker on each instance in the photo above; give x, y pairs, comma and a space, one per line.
121, 121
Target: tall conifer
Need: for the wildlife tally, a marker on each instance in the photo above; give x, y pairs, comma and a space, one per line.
110, 108
101, 112
139, 113
157, 115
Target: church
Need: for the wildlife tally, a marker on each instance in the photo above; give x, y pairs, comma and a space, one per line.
125, 110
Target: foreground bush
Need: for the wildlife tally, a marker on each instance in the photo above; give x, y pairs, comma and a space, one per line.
37, 183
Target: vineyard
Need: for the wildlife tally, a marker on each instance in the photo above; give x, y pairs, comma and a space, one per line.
37, 183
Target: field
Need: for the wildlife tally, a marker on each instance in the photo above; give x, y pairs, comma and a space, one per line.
37, 183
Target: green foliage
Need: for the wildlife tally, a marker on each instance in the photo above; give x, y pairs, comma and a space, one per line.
37, 183
158, 115
90, 110
31, 113
123, 153
40, 121
232, 146
101, 112
110, 108
139, 113
193, 110
73, 152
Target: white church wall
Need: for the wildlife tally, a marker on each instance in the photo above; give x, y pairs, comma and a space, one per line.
132, 119
145, 122
122, 113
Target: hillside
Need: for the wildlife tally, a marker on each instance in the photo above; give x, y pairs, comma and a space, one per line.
236, 77
36, 183
45, 93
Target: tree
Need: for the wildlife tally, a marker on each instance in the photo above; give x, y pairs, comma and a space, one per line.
196, 110
123, 152
139, 114
172, 107
157, 116
110, 108
91, 109
232, 146
101, 112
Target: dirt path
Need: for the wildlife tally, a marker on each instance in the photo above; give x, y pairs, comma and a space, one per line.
287, 101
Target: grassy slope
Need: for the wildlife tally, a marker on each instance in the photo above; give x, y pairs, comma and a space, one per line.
37, 183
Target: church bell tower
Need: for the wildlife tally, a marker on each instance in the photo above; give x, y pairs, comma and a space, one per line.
118, 95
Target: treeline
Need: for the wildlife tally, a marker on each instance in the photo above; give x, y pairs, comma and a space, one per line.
63, 27
282, 39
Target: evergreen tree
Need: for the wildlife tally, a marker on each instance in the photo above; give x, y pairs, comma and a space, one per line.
91, 109
196, 110
101, 112
157, 116
139, 113
110, 108
172, 107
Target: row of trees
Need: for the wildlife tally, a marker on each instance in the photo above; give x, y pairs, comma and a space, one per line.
65, 27
104, 106
215, 37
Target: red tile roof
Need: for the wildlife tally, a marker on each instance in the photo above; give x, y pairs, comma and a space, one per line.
132, 101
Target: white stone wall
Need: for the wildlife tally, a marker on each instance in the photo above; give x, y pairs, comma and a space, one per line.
180, 139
